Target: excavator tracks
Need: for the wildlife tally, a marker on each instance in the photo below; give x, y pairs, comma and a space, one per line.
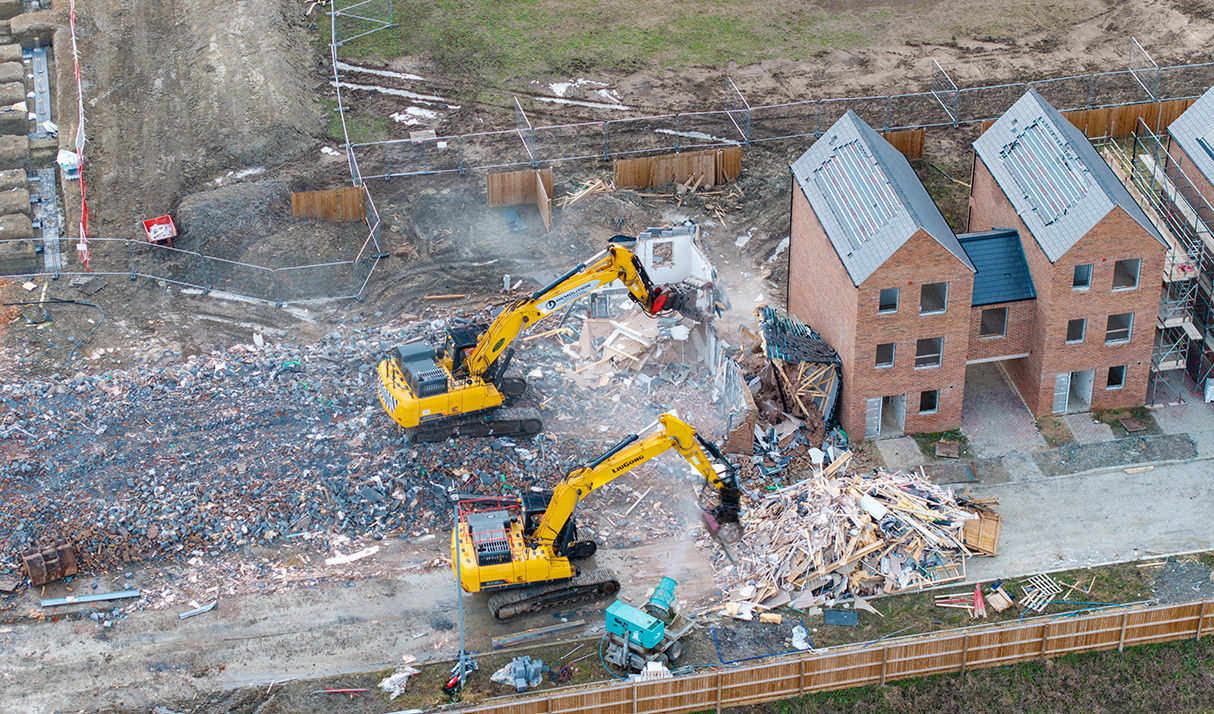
514, 603
499, 422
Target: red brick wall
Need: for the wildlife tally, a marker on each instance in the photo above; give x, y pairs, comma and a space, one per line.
1021, 317
821, 293
1200, 180
920, 260
1116, 237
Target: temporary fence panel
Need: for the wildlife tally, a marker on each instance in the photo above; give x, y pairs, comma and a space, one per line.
517, 187
909, 142
878, 663
340, 205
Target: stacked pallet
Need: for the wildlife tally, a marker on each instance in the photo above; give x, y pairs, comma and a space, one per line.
836, 536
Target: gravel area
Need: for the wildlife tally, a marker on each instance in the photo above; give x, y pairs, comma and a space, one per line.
1075, 458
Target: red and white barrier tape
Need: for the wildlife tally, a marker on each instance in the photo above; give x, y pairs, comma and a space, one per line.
82, 247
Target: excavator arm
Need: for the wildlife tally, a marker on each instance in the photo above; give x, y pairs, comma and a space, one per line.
616, 262
633, 451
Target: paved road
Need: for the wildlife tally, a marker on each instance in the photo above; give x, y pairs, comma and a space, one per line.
1088, 519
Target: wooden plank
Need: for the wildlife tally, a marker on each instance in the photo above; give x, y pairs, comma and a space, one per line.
543, 197
536, 633
909, 142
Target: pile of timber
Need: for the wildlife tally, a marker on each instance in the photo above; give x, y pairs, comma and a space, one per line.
590, 187
835, 536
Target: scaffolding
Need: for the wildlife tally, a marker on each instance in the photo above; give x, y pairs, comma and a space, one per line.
1185, 325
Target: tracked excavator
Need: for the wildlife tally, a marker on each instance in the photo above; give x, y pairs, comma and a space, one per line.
524, 548
462, 389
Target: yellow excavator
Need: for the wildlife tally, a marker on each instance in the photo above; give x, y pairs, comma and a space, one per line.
525, 546
461, 389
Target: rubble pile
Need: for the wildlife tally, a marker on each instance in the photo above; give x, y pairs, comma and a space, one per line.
791, 378
249, 446
835, 536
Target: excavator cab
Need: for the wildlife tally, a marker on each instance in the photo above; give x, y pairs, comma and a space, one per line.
459, 342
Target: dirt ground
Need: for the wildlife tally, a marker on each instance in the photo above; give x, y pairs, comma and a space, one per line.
203, 95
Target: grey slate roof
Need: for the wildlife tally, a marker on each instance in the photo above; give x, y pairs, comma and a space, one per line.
1194, 131
867, 197
1003, 274
1053, 176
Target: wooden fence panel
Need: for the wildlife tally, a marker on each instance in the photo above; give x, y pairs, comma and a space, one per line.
909, 142
729, 164
716, 166
543, 196
340, 205
752, 684
517, 187
952, 651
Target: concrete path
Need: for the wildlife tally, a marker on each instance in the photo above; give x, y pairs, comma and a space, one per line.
993, 417
1086, 429
1088, 519
1195, 418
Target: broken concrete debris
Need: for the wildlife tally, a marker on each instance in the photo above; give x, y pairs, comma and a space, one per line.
835, 536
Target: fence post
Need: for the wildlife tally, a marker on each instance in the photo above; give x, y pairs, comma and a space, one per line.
1125, 616
965, 651
801, 680
718, 692
606, 141
884, 657
1045, 638
677, 117
1201, 618
634, 698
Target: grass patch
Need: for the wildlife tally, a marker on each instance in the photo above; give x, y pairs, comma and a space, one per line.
517, 40
1113, 418
927, 442
1174, 676
1054, 431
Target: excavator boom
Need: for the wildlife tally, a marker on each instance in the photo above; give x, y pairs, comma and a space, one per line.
461, 389
526, 545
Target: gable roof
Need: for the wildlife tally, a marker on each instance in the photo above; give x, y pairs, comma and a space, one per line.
1194, 131
1003, 273
1053, 176
867, 197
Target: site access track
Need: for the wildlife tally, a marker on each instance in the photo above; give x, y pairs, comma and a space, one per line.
372, 622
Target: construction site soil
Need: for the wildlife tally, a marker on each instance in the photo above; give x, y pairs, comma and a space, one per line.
167, 429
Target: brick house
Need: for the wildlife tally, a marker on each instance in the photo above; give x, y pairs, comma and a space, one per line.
1095, 260
1189, 167
876, 270
1192, 148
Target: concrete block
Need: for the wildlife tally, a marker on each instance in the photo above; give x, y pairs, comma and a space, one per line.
10, 52
15, 200
14, 152
17, 257
12, 72
13, 178
34, 27
9, 9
